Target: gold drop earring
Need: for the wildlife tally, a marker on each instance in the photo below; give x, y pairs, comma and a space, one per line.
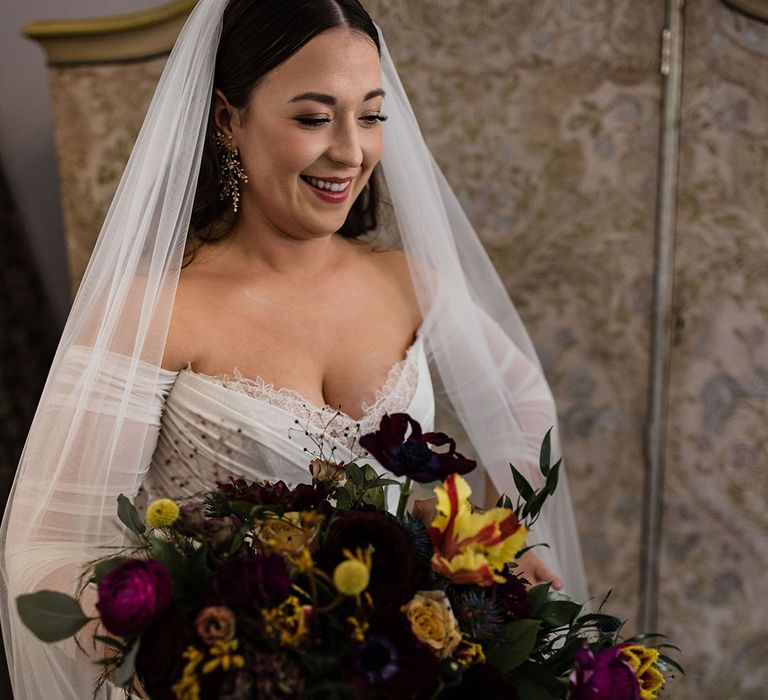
232, 172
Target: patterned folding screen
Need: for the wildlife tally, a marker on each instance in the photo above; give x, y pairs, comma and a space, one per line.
545, 117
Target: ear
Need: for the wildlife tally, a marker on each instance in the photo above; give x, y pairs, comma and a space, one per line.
225, 116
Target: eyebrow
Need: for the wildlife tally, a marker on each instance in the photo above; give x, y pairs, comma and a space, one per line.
330, 99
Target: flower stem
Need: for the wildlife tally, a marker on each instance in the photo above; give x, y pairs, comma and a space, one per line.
405, 492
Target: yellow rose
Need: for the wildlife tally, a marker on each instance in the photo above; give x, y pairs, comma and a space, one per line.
433, 623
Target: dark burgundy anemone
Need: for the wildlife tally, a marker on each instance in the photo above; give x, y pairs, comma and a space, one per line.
512, 598
159, 661
249, 582
391, 662
396, 573
412, 456
481, 681
302, 497
603, 675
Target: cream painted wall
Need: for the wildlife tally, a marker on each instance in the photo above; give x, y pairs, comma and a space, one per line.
27, 147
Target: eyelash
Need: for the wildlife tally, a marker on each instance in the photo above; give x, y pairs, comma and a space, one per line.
371, 119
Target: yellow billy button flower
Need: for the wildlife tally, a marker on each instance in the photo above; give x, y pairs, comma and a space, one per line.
641, 659
351, 577
162, 513
472, 547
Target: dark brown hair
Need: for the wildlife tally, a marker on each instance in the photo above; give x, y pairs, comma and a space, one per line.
257, 36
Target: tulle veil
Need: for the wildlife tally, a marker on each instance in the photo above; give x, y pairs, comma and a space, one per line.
91, 440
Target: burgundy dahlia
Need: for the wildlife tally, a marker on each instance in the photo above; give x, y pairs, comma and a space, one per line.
396, 573
301, 497
159, 661
249, 581
512, 597
412, 456
132, 595
603, 675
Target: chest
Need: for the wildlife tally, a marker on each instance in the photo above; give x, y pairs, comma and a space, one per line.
342, 357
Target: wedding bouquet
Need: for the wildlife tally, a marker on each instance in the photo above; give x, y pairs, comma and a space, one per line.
259, 590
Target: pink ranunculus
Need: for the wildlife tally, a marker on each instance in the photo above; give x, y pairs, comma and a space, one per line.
215, 624
132, 595
603, 675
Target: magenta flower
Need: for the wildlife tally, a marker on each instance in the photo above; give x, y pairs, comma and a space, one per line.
132, 595
603, 675
412, 456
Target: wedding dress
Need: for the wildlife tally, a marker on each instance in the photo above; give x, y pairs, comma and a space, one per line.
109, 414
215, 427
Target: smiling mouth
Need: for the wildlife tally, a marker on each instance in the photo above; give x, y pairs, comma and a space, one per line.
334, 186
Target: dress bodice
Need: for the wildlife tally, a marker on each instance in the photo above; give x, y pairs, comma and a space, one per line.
214, 427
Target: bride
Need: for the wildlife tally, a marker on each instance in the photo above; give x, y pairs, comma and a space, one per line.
237, 313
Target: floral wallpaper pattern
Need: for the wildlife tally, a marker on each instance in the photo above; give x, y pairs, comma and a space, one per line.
545, 117
714, 574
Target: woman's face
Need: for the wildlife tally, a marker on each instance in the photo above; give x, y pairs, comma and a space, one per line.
314, 116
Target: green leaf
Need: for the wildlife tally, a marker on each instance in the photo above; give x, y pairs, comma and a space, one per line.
538, 595
522, 486
546, 453
128, 515
51, 615
354, 474
666, 660
344, 499
504, 502
534, 682
188, 574
557, 613
552, 478
127, 668
243, 509
517, 640
105, 566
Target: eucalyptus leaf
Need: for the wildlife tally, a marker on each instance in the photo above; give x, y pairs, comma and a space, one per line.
101, 569
127, 668
128, 515
51, 615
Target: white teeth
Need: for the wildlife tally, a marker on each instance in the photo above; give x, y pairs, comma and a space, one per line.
330, 186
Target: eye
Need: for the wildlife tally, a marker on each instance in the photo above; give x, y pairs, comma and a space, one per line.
373, 118
309, 121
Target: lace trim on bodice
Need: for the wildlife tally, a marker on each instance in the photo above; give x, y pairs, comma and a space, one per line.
394, 396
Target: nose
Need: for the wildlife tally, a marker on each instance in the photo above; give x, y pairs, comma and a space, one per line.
345, 147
